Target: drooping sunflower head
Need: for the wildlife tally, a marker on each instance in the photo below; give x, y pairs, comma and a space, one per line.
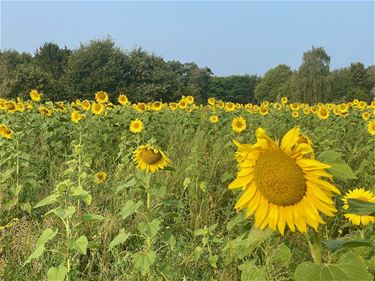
122, 99
100, 177
5, 131
363, 195
150, 159
34, 95
11, 106
214, 119
239, 124
136, 126
45, 111
282, 184
101, 97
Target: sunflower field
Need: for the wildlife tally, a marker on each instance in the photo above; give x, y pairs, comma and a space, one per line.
110, 190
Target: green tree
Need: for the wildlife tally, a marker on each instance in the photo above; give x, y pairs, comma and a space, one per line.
98, 65
313, 76
52, 59
271, 84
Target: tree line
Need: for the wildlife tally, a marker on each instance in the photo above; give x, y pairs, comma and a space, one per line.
64, 74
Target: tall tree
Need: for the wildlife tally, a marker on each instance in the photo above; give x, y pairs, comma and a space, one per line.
271, 84
313, 76
52, 59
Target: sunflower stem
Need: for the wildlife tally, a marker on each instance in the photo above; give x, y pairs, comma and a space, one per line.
315, 248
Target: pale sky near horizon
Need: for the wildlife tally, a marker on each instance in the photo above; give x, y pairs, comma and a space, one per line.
229, 37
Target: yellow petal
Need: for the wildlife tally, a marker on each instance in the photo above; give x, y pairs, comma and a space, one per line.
246, 197
281, 220
289, 217
253, 204
239, 182
289, 140
261, 212
311, 164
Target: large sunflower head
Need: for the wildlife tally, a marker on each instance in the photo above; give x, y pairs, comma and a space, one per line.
136, 126
239, 124
150, 159
322, 113
363, 195
282, 184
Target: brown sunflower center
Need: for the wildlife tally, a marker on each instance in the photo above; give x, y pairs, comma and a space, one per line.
150, 157
239, 124
279, 178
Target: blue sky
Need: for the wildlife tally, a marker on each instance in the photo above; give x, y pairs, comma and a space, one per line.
228, 37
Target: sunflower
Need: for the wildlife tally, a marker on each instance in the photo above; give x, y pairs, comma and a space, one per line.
322, 113
277, 106
76, 116
100, 177
20, 106
136, 126
371, 127
34, 95
182, 104
11, 106
263, 111
295, 114
101, 97
306, 110
140, 107
239, 124
366, 115
190, 99
282, 184
214, 119
173, 106
284, 100
45, 111
150, 159
211, 101
97, 108
156, 106
122, 99
5, 132
85, 105
230, 106
363, 195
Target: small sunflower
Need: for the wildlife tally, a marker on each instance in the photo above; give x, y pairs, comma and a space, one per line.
101, 97
322, 113
360, 194
284, 100
366, 115
214, 119
136, 126
11, 106
150, 159
371, 127
45, 111
156, 106
239, 124
282, 184
295, 114
97, 108
211, 101
34, 95
5, 132
76, 116
173, 106
100, 177
182, 104
122, 99
85, 105
190, 99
